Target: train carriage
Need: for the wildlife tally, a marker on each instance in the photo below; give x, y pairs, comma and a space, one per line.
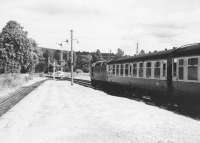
186, 73
170, 75
145, 71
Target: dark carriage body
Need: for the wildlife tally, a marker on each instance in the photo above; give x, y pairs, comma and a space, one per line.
187, 90
155, 85
174, 74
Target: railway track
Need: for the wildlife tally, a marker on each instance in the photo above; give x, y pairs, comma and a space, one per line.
8, 102
143, 98
82, 82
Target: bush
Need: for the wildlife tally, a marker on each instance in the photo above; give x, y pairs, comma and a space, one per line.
13, 80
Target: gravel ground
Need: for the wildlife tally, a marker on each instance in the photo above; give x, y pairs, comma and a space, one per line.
59, 113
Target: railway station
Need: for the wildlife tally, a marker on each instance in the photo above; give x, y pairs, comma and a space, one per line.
100, 71
59, 112
140, 99
123, 100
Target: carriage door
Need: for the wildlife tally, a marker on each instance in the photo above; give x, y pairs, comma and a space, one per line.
175, 72
178, 72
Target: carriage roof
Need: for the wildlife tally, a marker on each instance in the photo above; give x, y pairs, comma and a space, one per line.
186, 50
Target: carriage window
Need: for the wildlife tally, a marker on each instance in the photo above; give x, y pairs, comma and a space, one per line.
148, 69
174, 69
126, 69
97, 68
141, 70
110, 69
113, 70
121, 70
193, 69
117, 70
164, 70
157, 70
130, 69
180, 69
134, 70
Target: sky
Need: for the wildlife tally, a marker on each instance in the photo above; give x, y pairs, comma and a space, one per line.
107, 24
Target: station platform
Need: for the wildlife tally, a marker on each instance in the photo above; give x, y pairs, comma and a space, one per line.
57, 112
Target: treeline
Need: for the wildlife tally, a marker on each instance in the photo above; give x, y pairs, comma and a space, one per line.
21, 54
82, 60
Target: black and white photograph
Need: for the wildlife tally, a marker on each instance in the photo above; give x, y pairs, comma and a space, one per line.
99, 71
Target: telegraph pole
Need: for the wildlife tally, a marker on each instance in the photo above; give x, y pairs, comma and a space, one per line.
72, 63
61, 60
54, 69
110, 55
137, 48
48, 65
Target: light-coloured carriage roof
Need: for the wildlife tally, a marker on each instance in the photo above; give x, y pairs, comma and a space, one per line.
185, 50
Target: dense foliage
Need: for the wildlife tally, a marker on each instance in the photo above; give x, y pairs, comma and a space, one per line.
16, 51
96, 56
119, 54
82, 60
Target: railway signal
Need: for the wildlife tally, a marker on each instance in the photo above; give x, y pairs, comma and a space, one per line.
72, 61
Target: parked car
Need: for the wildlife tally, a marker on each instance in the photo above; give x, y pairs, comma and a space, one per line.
59, 74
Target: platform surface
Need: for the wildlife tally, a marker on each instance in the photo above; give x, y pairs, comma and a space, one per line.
57, 112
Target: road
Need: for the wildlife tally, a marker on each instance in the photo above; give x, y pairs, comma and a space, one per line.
59, 113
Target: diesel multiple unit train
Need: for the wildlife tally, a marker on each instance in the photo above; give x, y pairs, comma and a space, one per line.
172, 75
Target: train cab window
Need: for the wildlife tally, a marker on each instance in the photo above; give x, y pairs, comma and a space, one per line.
103, 67
134, 70
121, 70
180, 69
113, 70
157, 70
97, 68
126, 69
141, 70
117, 70
193, 69
148, 69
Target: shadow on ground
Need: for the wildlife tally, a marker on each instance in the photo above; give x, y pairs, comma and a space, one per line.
188, 111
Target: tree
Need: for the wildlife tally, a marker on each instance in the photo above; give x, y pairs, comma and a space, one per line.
47, 59
119, 54
40, 67
36, 57
83, 62
97, 56
15, 48
56, 55
142, 52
